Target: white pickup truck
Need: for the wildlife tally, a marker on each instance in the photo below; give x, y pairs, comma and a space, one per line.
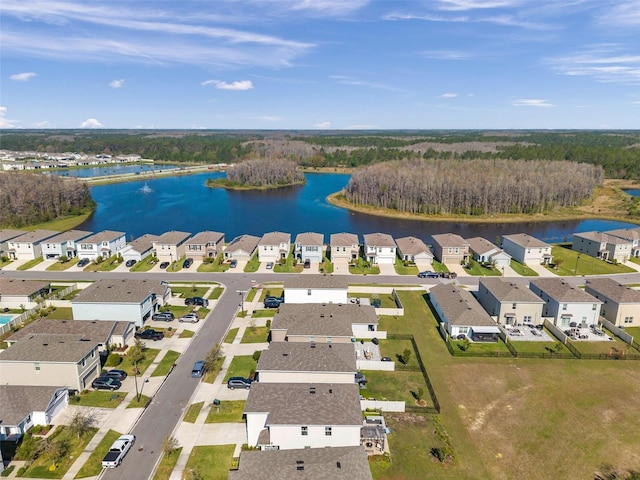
118, 450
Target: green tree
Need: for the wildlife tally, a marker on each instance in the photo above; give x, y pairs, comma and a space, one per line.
212, 357
82, 422
406, 355
137, 352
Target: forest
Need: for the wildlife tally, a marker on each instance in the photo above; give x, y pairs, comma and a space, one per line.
261, 173
28, 199
473, 187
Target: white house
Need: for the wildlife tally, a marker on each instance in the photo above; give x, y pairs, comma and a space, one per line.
309, 246
303, 415
631, 235
485, 252
602, 246
526, 249
315, 289
16, 293
171, 246
28, 246
621, 304
565, 303
274, 246
508, 302
344, 245
101, 245
139, 249
379, 248
412, 249
205, 245
63, 245
241, 248
6, 235
124, 300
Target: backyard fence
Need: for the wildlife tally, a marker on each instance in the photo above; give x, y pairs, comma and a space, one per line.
620, 333
382, 405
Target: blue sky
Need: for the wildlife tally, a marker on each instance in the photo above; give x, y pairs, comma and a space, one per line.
320, 64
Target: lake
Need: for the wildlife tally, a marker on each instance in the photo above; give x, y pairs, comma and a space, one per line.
185, 203
101, 171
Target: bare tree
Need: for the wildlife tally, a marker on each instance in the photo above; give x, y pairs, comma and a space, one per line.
82, 422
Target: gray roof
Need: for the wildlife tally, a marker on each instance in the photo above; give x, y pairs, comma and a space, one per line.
119, 291
459, 306
310, 238
630, 234
379, 240
412, 246
173, 237
481, 245
331, 319
18, 401
97, 330
7, 234
316, 281
343, 239
104, 236
34, 237
600, 237
246, 243
617, 292
144, 243
73, 235
329, 463
306, 403
308, 357
561, 291
506, 291
49, 348
526, 241
14, 286
275, 238
205, 238
449, 240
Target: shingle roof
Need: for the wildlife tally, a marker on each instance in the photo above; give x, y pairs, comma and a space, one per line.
412, 246
206, 237
18, 401
275, 238
34, 236
104, 236
449, 240
14, 286
506, 291
601, 237
630, 234
97, 330
330, 463
308, 357
306, 403
119, 291
459, 306
379, 240
143, 243
481, 245
73, 235
7, 234
343, 239
561, 291
49, 348
310, 238
316, 281
322, 319
173, 237
247, 243
617, 292
526, 241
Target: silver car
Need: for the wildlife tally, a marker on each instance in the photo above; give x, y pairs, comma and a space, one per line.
189, 318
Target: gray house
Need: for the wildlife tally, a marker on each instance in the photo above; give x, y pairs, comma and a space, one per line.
412, 249
205, 244
309, 246
242, 247
509, 303
139, 249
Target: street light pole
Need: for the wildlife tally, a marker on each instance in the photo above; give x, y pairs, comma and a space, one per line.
135, 379
576, 270
241, 293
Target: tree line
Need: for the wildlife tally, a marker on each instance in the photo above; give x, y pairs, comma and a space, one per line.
473, 187
261, 173
27, 199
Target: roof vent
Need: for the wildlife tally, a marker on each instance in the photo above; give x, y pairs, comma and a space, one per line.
312, 390
313, 345
322, 315
331, 390
285, 354
338, 465
45, 344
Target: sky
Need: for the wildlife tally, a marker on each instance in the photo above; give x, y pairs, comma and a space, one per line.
320, 64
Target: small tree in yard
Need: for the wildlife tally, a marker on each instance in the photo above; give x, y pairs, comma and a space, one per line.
212, 357
56, 449
557, 261
82, 422
170, 445
406, 355
28, 449
137, 352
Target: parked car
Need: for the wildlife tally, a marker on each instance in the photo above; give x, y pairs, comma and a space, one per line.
201, 302
164, 265
187, 263
307, 263
118, 450
106, 383
130, 263
189, 318
386, 359
428, 274
150, 334
233, 264
119, 375
198, 369
83, 262
271, 303
239, 382
269, 265
163, 317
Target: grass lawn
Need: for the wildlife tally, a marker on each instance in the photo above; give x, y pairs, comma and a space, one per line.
252, 265
215, 294
61, 266
178, 311
326, 266
605, 347
211, 375
567, 261
192, 291
386, 298
361, 268
186, 334
439, 267
167, 464
401, 269
40, 468
144, 265
165, 365
93, 466
61, 224
255, 335
71, 295
226, 412
192, 412
60, 313
538, 347
30, 264
289, 266
523, 270
264, 313
479, 347
271, 292
241, 366
231, 335
475, 269
393, 348
98, 398
251, 295
149, 357
210, 462
218, 265
395, 386
143, 402
634, 332
105, 265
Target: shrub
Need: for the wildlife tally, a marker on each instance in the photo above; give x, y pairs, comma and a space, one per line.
256, 355
113, 360
21, 471
7, 471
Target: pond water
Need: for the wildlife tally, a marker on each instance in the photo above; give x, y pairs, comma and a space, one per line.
101, 171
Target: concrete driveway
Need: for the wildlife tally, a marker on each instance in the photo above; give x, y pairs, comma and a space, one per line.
387, 269
341, 266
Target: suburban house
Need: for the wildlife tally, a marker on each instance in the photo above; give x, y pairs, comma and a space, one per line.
303, 415
450, 248
274, 246
51, 360
344, 245
336, 463
565, 303
104, 333
242, 248
307, 362
323, 323
461, 314
412, 249
24, 406
508, 302
315, 289
620, 304
379, 248
205, 245
122, 300
63, 245
15, 293
171, 246
526, 249
6, 235
28, 246
485, 252
139, 249
631, 235
603, 246
309, 246
101, 245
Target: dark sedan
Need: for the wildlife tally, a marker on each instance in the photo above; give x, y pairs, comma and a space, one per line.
106, 383
150, 334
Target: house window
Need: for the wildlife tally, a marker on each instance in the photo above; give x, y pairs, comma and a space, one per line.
527, 318
308, 291
463, 330
304, 431
564, 306
327, 431
593, 307
628, 319
514, 305
37, 365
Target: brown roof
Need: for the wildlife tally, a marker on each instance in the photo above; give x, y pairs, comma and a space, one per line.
561, 291
205, 238
7, 234
343, 239
379, 240
143, 243
630, 234
275, 238
316, 281
601, 237
97, 330
331, 319
173, 237
119, 291
506, 291
617, 292
247, 243
73, 235
13, 286
35, 236
306, 403
449, 240
330, 463
481, 245
459, 306
18, 401
49, 348
526, 241
308, 357
104, 236
412, 246
310, 238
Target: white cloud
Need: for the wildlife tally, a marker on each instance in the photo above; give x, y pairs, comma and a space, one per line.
344, 80
448, 95
637, 102
22, 77
43, 124
322, 125
5, 122
91, 123
532, 102
237, 85
117, 83
461, 5
605, 63
622, 14
319, 7
447, 54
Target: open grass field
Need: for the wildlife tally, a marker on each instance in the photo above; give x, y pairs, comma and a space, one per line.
361, 268
570, 264
61, 313
209, 462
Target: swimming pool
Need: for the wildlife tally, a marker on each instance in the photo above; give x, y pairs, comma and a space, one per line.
4, 319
